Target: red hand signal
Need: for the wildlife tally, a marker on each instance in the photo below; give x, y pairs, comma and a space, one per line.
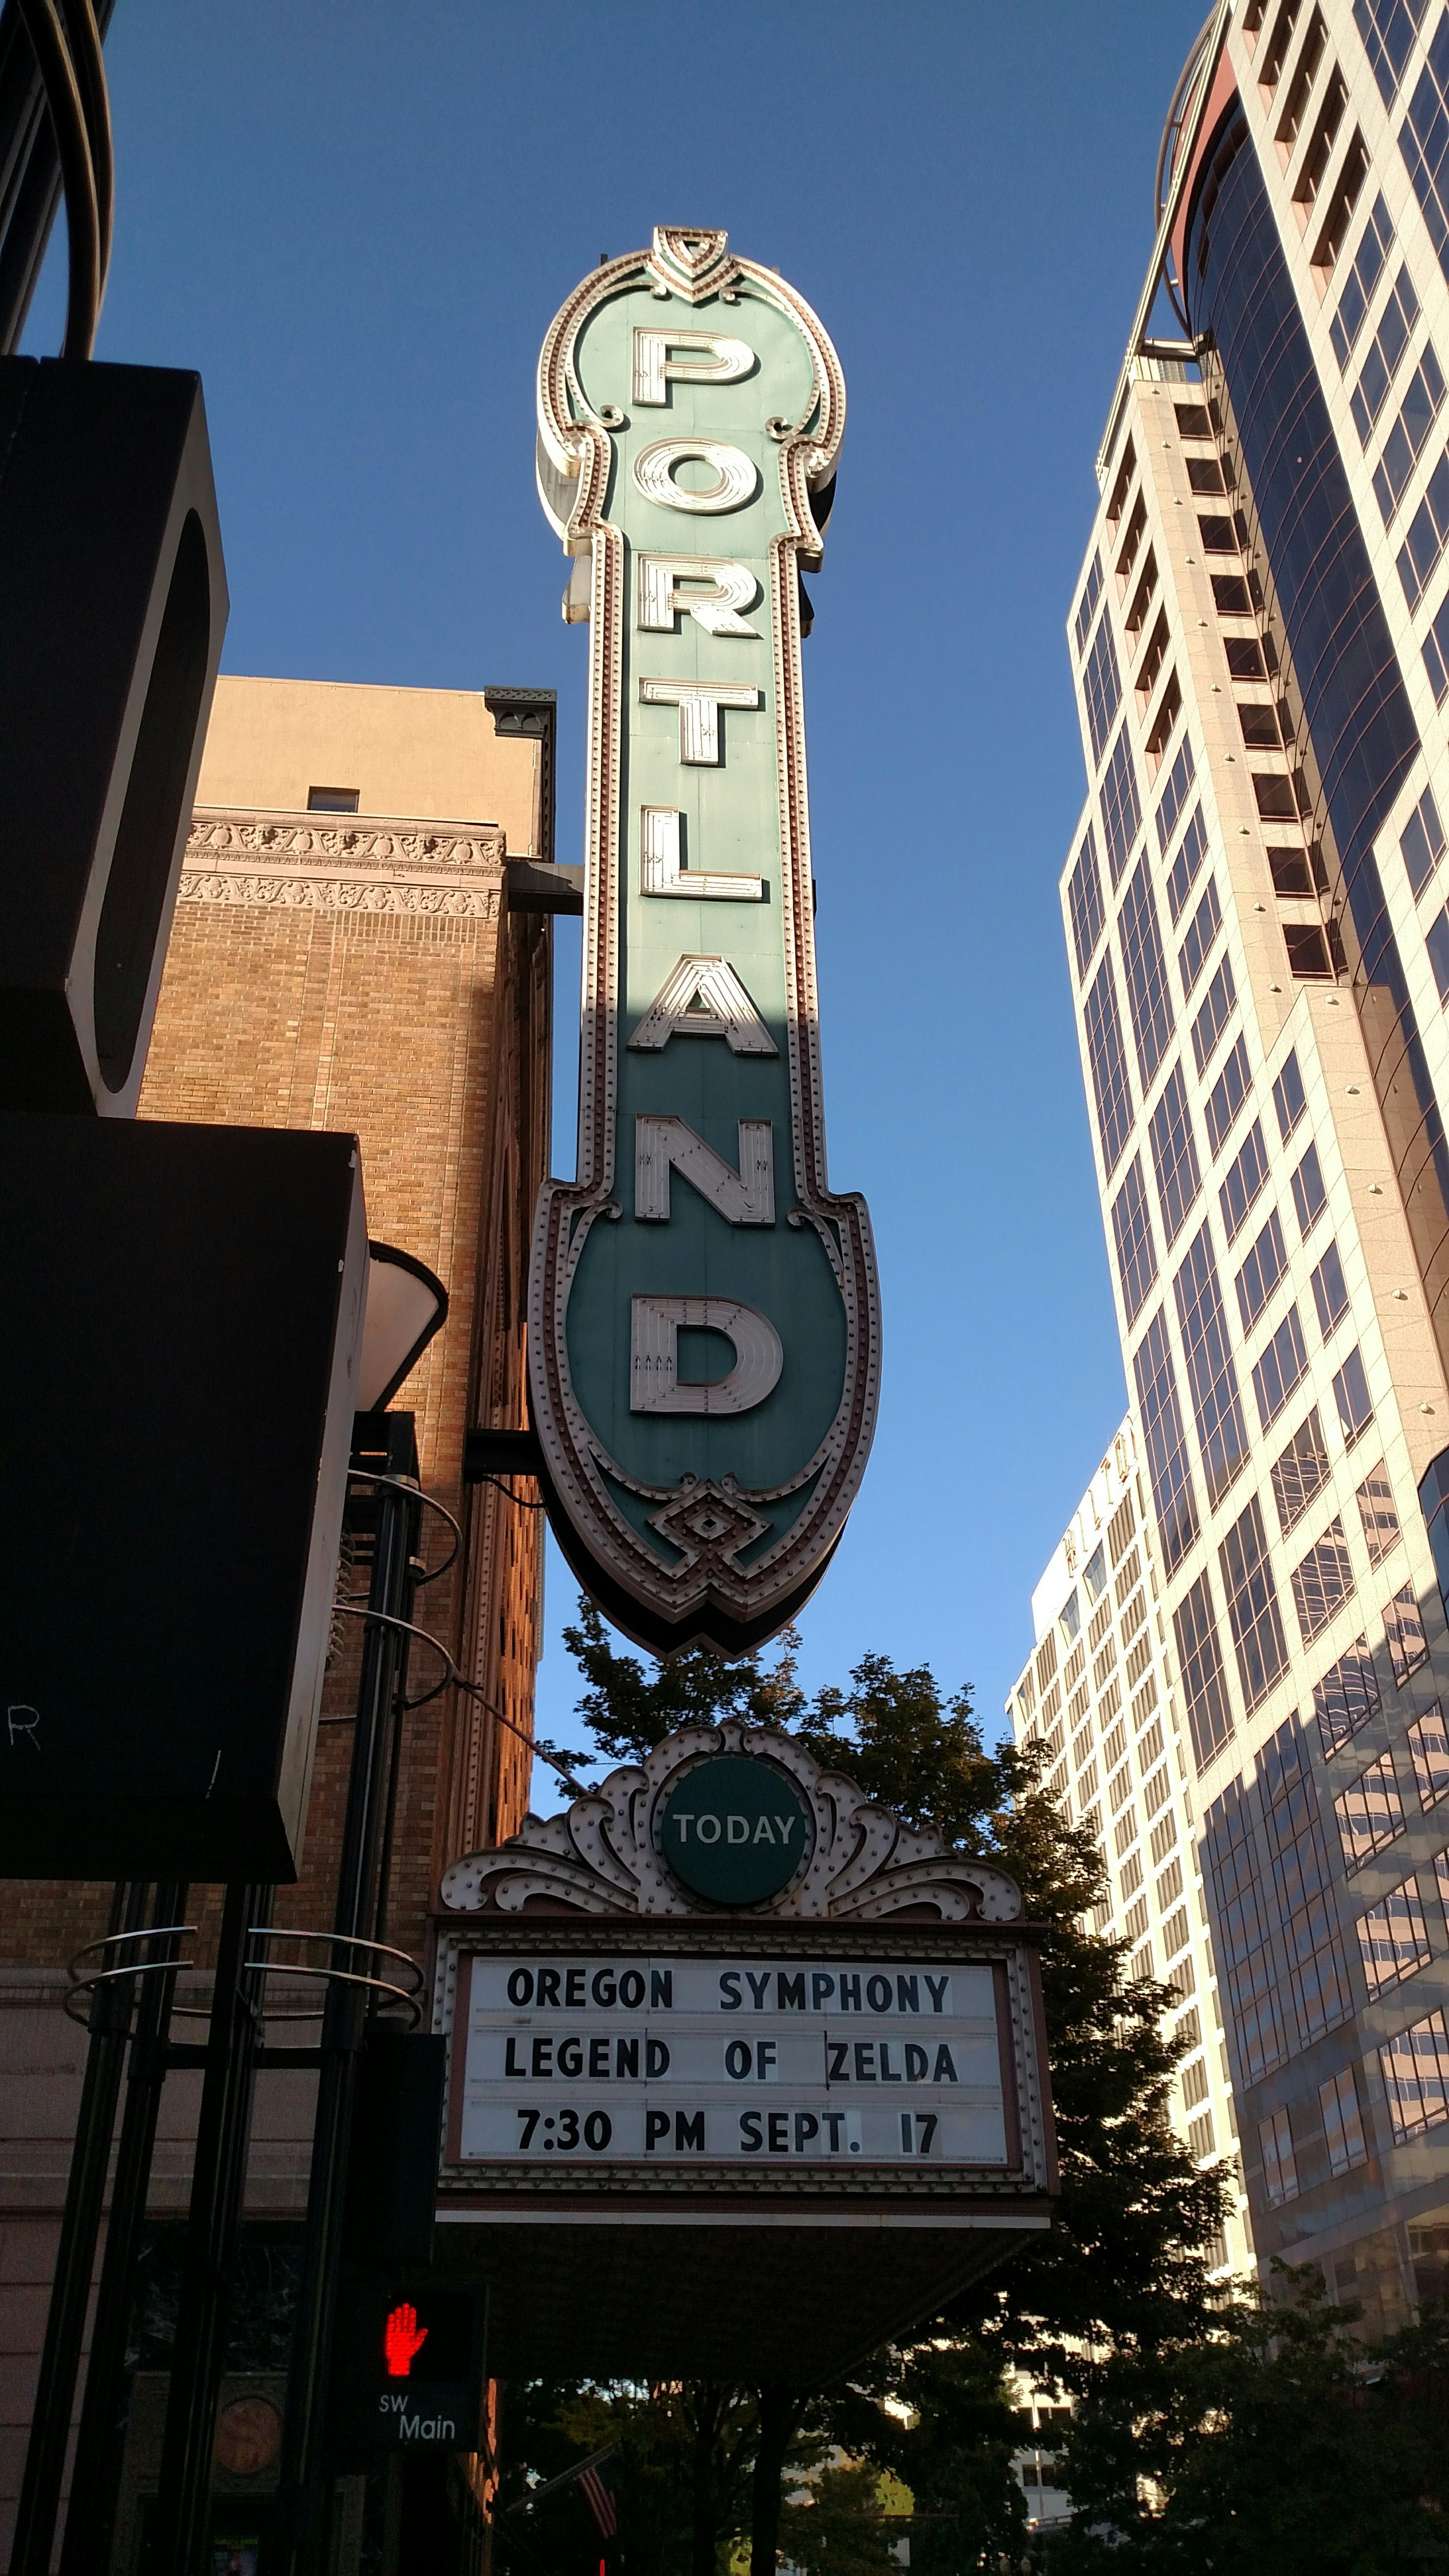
402, 2337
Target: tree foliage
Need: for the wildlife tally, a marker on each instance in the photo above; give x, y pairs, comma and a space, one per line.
1277, 2445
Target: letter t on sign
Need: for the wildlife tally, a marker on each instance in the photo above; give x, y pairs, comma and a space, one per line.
699, 708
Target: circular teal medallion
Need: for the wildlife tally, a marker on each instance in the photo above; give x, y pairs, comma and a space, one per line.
735, 1830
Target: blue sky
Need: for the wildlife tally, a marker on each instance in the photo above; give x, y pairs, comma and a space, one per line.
357, 218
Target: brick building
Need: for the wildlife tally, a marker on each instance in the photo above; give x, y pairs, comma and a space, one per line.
342, 959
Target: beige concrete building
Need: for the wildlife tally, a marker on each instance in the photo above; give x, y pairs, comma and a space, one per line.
342, 957
1254, 904
1096, 1694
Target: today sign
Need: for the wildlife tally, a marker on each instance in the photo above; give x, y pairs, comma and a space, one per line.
736, 1831
704, 1332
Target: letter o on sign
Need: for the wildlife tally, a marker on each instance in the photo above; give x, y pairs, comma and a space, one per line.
736, 475
734, 1829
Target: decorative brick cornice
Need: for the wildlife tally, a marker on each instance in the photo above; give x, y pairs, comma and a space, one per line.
299, 863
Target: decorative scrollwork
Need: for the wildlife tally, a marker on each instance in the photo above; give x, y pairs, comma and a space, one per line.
601, 1855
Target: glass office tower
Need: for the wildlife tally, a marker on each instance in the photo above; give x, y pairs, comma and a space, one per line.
1255, 909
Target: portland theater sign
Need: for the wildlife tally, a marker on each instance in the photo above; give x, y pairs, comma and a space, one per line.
745, 2076
703, 1313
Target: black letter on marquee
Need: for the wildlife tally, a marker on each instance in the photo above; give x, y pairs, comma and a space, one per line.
689, 2131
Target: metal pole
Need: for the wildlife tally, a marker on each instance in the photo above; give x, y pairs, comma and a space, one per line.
100, 2444
344, 2027
218, 2179
75, 2257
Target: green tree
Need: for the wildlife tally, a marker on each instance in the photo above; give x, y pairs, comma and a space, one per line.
1278, 2445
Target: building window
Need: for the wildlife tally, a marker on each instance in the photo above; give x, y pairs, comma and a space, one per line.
1218, 1007
1330, 1292
1219, 535
1295, 872
1122, 486
1244, 1943
1347, 1697
1424, 141
1084, 902
1299, 1472
1351, 1395
1191, 853
1232, 596
1091, 594
1227, 1096
1388, 29
1422, 842
1205, 475
1436, 940
1400, 314
1428, 1743
1245, 1180
1174, 797
1342, 2122
1172, 1492
1278, 1372
1309, 961
1436, 654
1416, 2076
1404, 1635
332, 800
1370, 1813
1317, 1970
1277, 797
1174, 1154
1404, 444
1341, 204
1132, 1234
1323, 1582
1261, 725
1310, 1198
1152, 661
1289, 1097
1102, 689
1169, 708
1108, 1061
1202, 931
1392, 1941
1252, 1606
1375, 1500
1142, 598
1280, 2173
1424, 541
1358, 286
1211, 1377
1261, 1272
1121, 809
1204, 1681
1145, 968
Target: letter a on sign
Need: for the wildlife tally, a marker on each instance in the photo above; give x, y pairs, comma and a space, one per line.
703, 1320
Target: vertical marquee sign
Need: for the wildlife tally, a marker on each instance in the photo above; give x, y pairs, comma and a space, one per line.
704, 1321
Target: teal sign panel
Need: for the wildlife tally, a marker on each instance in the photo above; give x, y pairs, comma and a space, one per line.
704, 1316
736, 1829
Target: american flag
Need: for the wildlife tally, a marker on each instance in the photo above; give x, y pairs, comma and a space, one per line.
600, 2502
